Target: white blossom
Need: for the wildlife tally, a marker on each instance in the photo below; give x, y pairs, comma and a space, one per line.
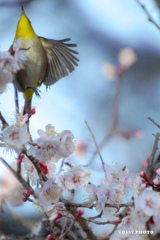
148, 202
15, 137
10, 63
139, 185
52, 146
29, 171
76, 178
54, 209
49, 193
127, 57
118, 175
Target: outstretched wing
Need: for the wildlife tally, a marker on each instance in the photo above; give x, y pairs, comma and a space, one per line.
61, 59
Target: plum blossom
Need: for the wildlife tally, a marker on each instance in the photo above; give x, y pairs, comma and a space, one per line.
154, 223
10, 63
139, 185
148, 202
21, 119
102, 194
54, 210
135, 220
52, 146
109, 70
49, 193
158, 171
119, 176
111, 193
76, 178
51, 169
15, 136
29, 171
127, 57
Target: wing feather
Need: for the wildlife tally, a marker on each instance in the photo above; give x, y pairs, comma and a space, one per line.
61, 59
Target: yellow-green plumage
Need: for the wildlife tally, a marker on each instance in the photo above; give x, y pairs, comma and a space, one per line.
46, 60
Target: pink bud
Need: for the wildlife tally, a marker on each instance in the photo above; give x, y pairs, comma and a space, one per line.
143, 175
59, 215
22, 156
29, 192
19, 161
80, 213
33, 111
51, 237
24, 199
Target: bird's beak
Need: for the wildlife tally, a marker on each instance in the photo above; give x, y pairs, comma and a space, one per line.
22, 9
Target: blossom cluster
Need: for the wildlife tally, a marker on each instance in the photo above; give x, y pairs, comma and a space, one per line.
49, 181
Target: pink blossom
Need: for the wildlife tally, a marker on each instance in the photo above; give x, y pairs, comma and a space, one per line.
29, 171
9, 64
52, 146
15, 137
76, 178
119, 175
148, 202
49, 193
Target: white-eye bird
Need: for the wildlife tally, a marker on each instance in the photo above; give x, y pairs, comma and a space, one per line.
46, 60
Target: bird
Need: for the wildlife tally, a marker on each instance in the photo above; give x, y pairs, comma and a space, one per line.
47, 60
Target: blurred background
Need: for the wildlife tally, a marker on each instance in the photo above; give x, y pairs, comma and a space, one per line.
100, 28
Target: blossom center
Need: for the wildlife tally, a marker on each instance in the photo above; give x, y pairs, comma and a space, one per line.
14, 135
76, 179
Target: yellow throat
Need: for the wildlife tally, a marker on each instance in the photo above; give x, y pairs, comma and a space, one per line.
24, 28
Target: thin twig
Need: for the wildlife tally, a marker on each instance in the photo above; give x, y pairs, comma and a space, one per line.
155, 148
20, 179
116, 102
82, 223
97, 148
153, 165
115, 116
103, 223
68, 230
114, 229
149, 118
150, 18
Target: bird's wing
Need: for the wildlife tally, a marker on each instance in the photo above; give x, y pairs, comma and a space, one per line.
61, 59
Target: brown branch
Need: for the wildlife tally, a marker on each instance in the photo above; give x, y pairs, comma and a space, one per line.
115, 116
153, 164
150, 18
90, 205
114, 229
82, 222
103, 223
149, 118
97, 148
